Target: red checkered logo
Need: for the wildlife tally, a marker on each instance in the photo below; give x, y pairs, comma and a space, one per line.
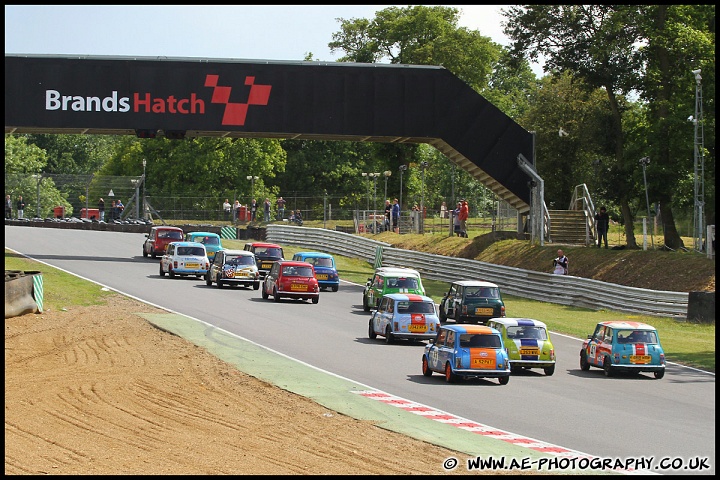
235, 113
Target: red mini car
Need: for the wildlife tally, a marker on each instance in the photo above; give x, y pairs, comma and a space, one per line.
291, 279
159, 238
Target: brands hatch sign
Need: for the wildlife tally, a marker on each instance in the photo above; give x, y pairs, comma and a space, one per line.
190, 103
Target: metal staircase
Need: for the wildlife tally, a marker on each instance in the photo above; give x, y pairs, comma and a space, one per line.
575, 226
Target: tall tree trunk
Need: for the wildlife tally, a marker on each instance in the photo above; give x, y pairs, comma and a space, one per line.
671, 235
629, 227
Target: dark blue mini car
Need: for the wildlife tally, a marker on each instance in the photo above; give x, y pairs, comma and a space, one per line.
325, 270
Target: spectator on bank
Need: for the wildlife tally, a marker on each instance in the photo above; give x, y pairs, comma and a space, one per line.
226, 209
8, 206
113, 211
395, 212
560, 264
266, 209
443, 210
101, 209
281, 208
388, 214
603, 224
253, 210
236, 211
456, 219
463, 215
20, 208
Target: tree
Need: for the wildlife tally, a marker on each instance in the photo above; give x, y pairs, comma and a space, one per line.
595, 43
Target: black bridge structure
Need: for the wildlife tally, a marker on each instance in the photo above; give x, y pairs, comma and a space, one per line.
189, 97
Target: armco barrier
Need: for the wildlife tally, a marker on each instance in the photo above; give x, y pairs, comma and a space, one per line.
560, 289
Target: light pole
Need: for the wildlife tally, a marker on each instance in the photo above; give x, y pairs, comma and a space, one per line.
144, 208
699, 162
402, 170
645, 161
387, 174
38, 177
375, 178
421, 222
252, 179
367, 191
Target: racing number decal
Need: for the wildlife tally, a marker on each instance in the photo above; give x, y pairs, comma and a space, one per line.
592, 351
434, 356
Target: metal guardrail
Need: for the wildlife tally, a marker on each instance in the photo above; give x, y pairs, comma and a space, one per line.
545, 287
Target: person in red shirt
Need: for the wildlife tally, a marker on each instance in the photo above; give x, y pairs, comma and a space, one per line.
463, 216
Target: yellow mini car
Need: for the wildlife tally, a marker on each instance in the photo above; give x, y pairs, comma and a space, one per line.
527, 342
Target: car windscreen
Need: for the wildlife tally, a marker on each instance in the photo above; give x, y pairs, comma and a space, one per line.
477, 340
240, 260
301, 271
538, 333
188, 251
636, 336
403, 282
415, 307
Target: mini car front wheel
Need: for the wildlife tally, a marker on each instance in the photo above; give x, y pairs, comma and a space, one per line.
443, 316
549, 370
389, 335
366, 307
275, 295
607, 367
425, 367
659, 374
144, 253
584, 364
171, 273
371, 331
208, 282
504, 380
162, 272
219, 283
450, 377
264, 293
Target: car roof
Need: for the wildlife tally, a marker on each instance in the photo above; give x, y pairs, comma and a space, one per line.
263, 244
294, 263
473, 329
409, 297
518, 322
204, 234
238, 252
187, 244
314, 254
474, 283
166, 227
628, 325
396, 271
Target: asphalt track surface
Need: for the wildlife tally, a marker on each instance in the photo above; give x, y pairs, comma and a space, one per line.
323, 352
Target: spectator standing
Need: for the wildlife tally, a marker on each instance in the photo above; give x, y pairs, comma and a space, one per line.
443, 210
266, 208
101, 209
236, 211
281, 208
456, 219
560, 264
464, 213
8, 206
119, 207
253, 210
603, 224
395, 212
226, 209
20, 207
113, 210
388, 213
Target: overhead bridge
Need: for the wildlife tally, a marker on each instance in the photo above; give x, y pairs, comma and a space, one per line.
189, 97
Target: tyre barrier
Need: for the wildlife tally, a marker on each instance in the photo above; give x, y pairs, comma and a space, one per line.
23, 293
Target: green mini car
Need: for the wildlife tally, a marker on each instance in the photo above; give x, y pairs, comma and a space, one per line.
527, 342
472, 301
390, 280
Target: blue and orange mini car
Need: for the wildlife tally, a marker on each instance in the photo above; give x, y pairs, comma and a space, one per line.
467, 351
620, 346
